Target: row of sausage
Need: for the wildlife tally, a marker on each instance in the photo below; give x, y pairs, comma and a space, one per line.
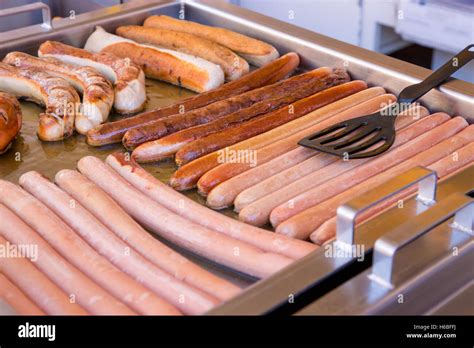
110, 71
94, 255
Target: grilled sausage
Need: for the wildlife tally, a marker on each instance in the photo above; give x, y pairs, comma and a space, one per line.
233, 66
171, 124
301, 104
127, 77
113, 132
254, 51
97, 92
60, 99
163, 194
187, 176
179, 141
174, 67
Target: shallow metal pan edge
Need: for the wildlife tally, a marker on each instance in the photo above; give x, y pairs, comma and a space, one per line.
271, 295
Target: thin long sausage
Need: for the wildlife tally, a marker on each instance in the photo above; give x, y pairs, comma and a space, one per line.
34, 283
445, 168
188, 175
286, 168
77, 286
180, 204
118, 221
158, 129
189, 235
113, 132
258, 212
283, 170
350, 178
304, 223
85, 257
15, 298
180, 295
270, 161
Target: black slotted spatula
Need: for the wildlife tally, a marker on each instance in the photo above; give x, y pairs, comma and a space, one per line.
349, 139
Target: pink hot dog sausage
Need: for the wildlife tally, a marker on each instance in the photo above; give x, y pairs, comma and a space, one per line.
182, 205
199, 239
376, 165
99, 203
77, 286
258, 212
444, 168
15, 298
303, 224
279, 176
180, 295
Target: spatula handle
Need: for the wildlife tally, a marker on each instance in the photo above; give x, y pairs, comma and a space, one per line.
412, 93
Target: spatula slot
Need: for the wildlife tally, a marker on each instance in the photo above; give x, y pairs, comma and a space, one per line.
364, 133
376, 139
327, 131
349, 129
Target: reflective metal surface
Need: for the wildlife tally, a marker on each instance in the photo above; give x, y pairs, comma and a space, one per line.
387, 247
6, 309
436, 266
347, 213
303, 282
45, 11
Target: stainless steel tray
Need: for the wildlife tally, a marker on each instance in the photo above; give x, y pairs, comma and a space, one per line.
455, 97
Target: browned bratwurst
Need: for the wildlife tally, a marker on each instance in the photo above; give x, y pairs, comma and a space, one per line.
170, 144
233, 66
260, 124
211, 112
188, 175
113, 132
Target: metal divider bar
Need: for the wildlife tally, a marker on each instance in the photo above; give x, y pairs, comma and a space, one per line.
387, 246
347, 213
45, 10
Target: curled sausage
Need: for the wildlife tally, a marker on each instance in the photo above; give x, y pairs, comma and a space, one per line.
60, 99
97, 92
127, 77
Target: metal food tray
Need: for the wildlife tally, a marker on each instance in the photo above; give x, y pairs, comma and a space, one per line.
28, 153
